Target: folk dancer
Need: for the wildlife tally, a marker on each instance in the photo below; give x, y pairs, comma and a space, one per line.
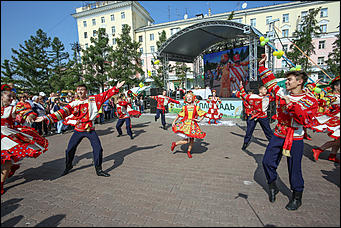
123, 116
213, 111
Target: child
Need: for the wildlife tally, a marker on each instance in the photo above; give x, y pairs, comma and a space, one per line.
123, 116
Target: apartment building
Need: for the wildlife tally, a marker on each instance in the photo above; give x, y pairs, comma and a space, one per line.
112, 14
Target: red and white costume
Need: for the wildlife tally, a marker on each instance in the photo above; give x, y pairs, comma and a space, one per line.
17, 141
162, 101
238, 73
291, 117
329, 120
82, 113
213, 111
122, 109
132, 112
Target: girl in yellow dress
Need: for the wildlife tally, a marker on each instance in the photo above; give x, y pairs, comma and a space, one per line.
188, 127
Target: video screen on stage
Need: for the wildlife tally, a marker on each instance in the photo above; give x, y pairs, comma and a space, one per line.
225, 70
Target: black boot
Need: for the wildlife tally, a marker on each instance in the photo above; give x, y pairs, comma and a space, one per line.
155, 118
273, 190
67, 169
245, 145
295, 202
100, 172
164, 127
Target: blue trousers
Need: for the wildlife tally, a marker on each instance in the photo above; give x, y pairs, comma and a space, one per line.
119, 124
76, 138
251, 125
162, 112
272, 157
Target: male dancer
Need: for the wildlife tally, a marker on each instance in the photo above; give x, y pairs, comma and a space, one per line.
257, 113
84, 113
162, 101
295, 110
123, 116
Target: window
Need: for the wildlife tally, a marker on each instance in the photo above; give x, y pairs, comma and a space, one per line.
93, 21
102, 20
94, 33
268, 19
303, 14
85, 35
84, 24
140, 39
86, 46
113, 41
285, 18
141, 50
285, 47
253, 22
123, 15
284, 64
322, 44
324, 12
320, 60
113, 29
174, 30
285, 32
152, 49
112, 17
323, 28
151, 36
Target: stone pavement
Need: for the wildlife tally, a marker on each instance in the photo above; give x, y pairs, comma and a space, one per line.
151, 186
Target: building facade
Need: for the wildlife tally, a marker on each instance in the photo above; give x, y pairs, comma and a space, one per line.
111, 15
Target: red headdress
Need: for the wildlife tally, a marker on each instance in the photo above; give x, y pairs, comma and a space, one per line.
193, 96
5, 87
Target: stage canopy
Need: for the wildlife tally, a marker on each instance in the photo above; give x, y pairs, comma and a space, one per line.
190, 42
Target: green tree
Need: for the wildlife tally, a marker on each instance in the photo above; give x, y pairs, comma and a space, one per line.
159, 77
72, 75
8, 72
126, 59
333, 62
303, 37
58, 57
181, 70
32, 63
96, 62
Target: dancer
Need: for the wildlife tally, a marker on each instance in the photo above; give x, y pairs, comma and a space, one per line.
123, 116
188, 127
257, 111
295, 109
329, 121
17, 141
132, 112
162, 101
213, 111
84, 112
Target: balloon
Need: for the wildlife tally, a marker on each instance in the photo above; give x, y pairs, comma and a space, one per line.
292, 69
281, 52
262, 43
275, 53
278, 56
317, 90
156, 62
266, 40
298, 67
149, 73
261, 38
141, 85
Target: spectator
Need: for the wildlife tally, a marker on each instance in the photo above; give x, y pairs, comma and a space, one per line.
38, 108
107, 109
60, 127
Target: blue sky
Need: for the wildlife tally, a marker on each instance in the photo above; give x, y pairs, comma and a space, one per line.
21, 19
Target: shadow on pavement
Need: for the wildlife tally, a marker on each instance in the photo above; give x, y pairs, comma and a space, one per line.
107, 131
253, 139
8, 207
140, 125
199, 147
52, 221
332, 176
138, 132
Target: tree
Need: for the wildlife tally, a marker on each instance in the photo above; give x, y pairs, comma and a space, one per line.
333, 61
72, 75
159, 69
181, 70
58, 56
32, 62
126, 59
96, 61
8, 72
302, 37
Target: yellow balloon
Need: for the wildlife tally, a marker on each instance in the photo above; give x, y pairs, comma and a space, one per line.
156, 62
261, 38
141, 85
275, 53
149, 73
281, 52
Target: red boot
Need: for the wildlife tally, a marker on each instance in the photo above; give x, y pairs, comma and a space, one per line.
332, 157
173, 146
13, 169
317, 152
189, 154
2, 188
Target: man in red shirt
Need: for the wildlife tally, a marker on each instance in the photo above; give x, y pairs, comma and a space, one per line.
82, 113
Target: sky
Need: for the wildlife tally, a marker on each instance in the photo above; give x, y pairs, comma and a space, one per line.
21, 19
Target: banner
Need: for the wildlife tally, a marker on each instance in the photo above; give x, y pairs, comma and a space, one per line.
225, 70
229, 108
